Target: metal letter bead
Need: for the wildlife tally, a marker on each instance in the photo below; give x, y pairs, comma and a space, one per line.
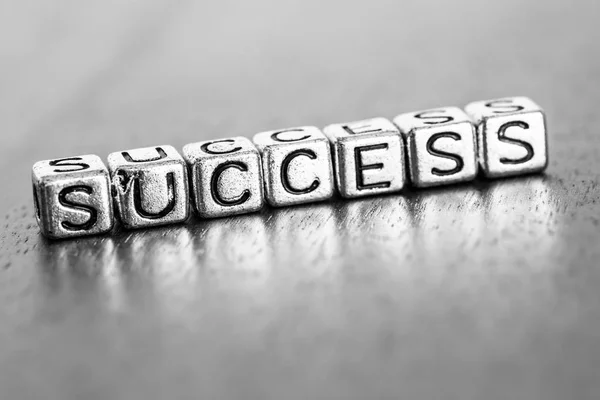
150, 186
226, 177
511, 135
441, 146
72, 197
296, 165
368, 157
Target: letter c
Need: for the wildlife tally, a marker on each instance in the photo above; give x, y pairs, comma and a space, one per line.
285, 174
206, 147
214, 184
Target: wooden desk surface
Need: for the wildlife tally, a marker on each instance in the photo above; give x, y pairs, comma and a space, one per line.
481, 291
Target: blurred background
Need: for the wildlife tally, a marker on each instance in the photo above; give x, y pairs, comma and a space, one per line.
478, 291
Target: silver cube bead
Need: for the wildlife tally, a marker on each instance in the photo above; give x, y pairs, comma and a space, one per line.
226, 177
512, 136
150, 186
441, 146
296, 165
368, 157
72, 197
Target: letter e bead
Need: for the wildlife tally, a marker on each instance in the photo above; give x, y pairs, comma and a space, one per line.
72, 197
296, 165
368, 157
441, 146
150, 186
511, 135
226, 177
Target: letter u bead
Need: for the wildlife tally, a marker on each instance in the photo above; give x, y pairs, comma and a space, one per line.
150, 186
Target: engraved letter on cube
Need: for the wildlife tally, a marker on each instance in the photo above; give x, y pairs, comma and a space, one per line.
72, 197
296, 165
441, 145
512, 136
369, 157
226, 177
150, 186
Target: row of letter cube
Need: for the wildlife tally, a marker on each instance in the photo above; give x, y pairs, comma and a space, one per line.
151, 186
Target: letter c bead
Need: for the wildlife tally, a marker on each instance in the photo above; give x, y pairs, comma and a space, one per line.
226, 177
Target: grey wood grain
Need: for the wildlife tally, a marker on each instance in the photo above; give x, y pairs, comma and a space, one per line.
480, 291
